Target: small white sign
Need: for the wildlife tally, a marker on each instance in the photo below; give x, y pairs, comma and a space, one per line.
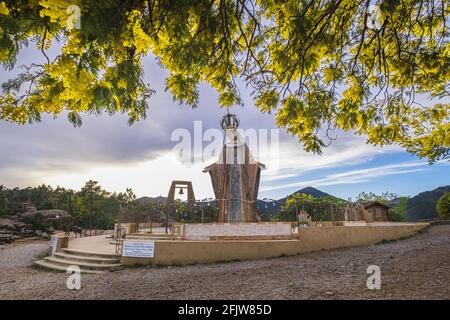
54, 243
138, 249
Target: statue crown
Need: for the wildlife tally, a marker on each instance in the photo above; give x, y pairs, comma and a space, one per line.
229, 121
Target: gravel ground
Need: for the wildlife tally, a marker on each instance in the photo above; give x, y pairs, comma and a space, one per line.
414, 268
21, 253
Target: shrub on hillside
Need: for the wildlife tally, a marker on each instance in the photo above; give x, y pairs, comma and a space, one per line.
443, 206
398, 212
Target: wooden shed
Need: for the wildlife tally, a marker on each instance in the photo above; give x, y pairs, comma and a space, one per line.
378, 210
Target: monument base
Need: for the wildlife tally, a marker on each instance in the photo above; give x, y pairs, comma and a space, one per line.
176, 252
239, 230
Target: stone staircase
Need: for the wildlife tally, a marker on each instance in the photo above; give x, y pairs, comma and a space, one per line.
88, 262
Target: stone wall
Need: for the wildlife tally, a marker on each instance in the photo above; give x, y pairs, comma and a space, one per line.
310, 239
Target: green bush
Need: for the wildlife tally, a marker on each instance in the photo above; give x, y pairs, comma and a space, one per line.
398, 213
443, 206
38, 222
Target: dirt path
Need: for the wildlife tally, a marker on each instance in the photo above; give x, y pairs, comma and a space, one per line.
21, 253
418, 267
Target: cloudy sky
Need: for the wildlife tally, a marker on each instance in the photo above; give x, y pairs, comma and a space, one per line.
142, 156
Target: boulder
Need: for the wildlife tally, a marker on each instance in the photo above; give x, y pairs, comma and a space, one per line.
57, 219
29, 207
7, 224
11, 229
27, 233
6, 238
8, 230
32, 222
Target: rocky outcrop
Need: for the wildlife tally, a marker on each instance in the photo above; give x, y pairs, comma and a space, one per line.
11, 229
33, 223
57, 219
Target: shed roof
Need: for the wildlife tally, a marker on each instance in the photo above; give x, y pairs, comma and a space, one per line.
367, 204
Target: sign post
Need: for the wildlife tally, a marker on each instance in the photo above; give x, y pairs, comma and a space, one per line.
54, 244
138, 249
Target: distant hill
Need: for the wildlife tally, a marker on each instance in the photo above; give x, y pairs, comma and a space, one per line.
316, 193
423, 205
146, 200
392, 203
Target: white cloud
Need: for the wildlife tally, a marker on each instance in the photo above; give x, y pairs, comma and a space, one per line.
353, 176
151, 177
292, 160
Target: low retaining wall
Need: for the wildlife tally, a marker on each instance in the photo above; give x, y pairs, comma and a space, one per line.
175, 252
208, 231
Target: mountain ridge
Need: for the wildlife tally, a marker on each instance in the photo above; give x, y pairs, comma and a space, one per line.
423, 205
307, 190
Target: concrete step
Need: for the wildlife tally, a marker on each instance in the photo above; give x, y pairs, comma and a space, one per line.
48, 265
88, 259
84, 265
90, 254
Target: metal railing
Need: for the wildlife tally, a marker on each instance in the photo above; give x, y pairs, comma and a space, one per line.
82, 233
120, 234
319, 211
145, 227
208, 212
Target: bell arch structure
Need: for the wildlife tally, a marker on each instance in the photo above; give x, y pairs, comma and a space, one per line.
183, 185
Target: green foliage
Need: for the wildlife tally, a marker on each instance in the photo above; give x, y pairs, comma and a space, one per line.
320, 209
92, 207
297, 198
443, 206
139, 212
385, 197
38, 222
283, 215
318, 64
398, 212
